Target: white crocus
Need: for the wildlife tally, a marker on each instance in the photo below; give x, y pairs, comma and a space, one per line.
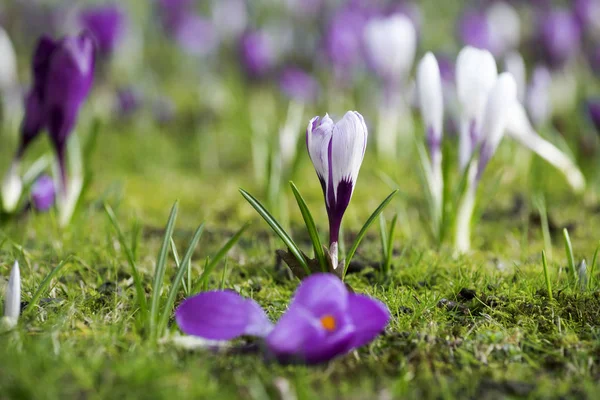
9, 83
514, 63
431, 105
337, 151
476, 74
12, 298
495, 119
505, 27
12, 187
519, 128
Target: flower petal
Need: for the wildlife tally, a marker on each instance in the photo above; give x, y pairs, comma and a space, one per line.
318, 137
431, 99
295, 328
321, 294
221, 315
369, 317
331, 346
12, 301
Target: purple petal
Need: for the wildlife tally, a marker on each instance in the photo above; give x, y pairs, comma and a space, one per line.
321, 294
221, 315
106, 24
369, 317
298, 85
43, 193
337, 344
295, 328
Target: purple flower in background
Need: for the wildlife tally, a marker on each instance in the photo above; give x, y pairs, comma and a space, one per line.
344, 39
257, 53
195, 35
230, 17
594, 59
298, 85
474, 30
128, 101
63, 72
323, 320
337, 151
43, 193
171, 12
559, 37
106, 24
593, 109
587, 13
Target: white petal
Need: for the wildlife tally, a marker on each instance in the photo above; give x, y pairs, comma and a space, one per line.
348, 146
318, 136
391, 44
514, 63
499, 105
8, 62
12, 301
431, 99
12, 186
519, 128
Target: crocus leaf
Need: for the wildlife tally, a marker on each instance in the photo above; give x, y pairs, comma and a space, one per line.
569, 253
311, 227
363, 230
137, 280
287, 240
183, 266
159, 270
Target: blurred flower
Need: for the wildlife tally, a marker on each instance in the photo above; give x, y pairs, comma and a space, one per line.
106, 23
337, 151
257, 53
594, 59
230, 17
515, 64
298, 85
504, 27
128, 101
558, 37
12, 298
43, 193
195, 35
587, 13
593, 110
474, 30
324, 320
537, 100
410, 10
305, 8
390, 44
8, 63
11, 189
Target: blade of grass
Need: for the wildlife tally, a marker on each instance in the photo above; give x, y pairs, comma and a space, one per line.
569, 253
177, 264
390, 245
159, 271
137, 280
311, 227
222, 285
593, 266
547, 275
383, 236
45, 283
287, 240
363, 231
215, 260
183, 266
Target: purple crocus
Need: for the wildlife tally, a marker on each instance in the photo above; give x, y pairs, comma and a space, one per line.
587, 13
257, 53
298, 85
323, 320
106, 24
128, 101
337, 151
593, 109
63, 72
559, 37
344, 40
474, 30
196, 35
43, 193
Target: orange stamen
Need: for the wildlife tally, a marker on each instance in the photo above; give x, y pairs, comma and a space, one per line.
328, 322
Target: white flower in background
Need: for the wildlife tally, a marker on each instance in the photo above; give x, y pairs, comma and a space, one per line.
537, 99
390, 44
337, 151
505, 27
12, 298
12, 187
476, 74
514, 63
431, 105
8, 63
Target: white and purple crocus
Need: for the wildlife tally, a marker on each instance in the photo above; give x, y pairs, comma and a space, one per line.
324, 320
337, 151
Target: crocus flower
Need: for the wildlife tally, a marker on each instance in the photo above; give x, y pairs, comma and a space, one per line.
515, 64
476, 74
474, 30
593, 110
587, 13
559, 37
431, 105
11, 189
537, 99
344, 40
8, 64
128, 101
12, 298
323, 320
106, 24
593, 56
390, 44
43, 193
196, 35
337, 151
298, 85
504, 27
257, 53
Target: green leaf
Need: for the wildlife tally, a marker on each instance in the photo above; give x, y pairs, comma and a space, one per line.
178, 263
137, 280
383, 236
569, 253
45, 283
183, 266
210, 266
363, 231
547, 275
287, 240
311, 227
390, 244
593, 266
159, 271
